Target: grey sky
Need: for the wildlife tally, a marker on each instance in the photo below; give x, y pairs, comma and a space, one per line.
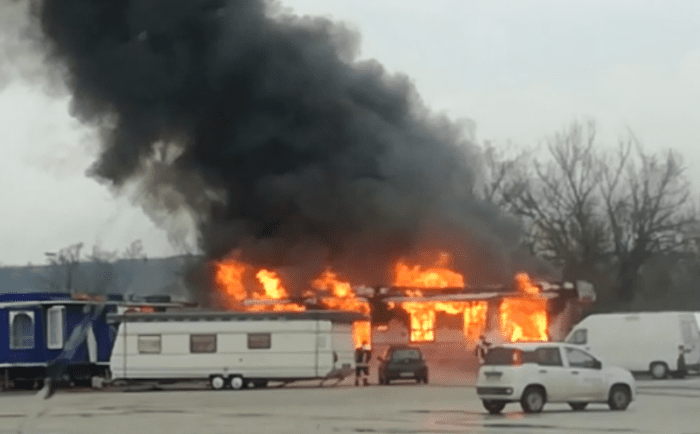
520, 70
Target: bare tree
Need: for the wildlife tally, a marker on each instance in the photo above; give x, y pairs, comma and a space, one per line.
99, 271
599, 216
134, 251
63, 267
558, 200
506, 174
647, 201
131, 257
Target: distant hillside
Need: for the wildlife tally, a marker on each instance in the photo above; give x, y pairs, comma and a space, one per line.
123, 276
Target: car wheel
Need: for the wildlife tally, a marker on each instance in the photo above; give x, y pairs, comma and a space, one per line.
619, 397
494, 407
217, 382
237, 382
387, 381
578, 406
425, 378
658, 370
533, 399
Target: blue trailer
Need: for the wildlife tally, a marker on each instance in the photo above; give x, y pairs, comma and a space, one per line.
38, 326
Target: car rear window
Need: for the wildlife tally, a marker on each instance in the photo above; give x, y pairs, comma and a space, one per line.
503, 356
510, 356
405, 354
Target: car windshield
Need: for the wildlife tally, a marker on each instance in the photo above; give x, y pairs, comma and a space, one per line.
406, 354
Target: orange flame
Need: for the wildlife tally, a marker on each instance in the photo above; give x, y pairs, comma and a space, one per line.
343, 296
423, 314
344, 299
524, 319
474, 319
276, 307
273, 290
422, 320
272, 285
328, 280
437, 276
524, 284
230, 277
362, 332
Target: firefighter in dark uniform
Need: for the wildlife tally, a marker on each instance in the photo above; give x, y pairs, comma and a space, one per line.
682, 370
363, 355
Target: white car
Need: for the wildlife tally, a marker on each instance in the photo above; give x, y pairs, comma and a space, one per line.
536, 373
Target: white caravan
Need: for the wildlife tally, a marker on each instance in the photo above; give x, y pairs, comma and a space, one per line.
234, 350
641, 342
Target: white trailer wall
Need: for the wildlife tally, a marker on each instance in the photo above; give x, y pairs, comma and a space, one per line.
297, 349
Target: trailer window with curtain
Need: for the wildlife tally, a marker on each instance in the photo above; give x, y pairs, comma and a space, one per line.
149, 344
21, 330
259, 341
202, 343
55, 327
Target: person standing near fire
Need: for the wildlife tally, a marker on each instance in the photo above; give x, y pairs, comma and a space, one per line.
363, 355
682, 369
482, 349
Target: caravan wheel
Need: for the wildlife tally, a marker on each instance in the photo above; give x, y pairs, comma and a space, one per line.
237, 382
217, 382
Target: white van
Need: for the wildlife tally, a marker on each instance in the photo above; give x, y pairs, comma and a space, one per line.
641, 342
234, 350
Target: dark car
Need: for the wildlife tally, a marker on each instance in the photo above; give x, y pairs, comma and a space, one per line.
402, 363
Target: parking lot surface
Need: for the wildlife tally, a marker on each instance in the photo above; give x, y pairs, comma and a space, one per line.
668, 406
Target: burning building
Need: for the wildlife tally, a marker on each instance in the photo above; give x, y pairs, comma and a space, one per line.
523, 310
304, 170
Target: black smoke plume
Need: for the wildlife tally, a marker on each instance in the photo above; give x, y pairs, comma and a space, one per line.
269, 131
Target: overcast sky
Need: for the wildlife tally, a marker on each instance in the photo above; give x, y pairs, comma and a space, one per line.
520, 69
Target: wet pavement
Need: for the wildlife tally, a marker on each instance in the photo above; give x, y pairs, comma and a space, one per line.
668, 406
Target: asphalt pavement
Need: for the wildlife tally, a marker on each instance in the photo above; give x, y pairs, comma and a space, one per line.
666, 406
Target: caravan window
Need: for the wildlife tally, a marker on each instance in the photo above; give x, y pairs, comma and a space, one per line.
149, 344
21, 330
55, 320
259, 341
202, 343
